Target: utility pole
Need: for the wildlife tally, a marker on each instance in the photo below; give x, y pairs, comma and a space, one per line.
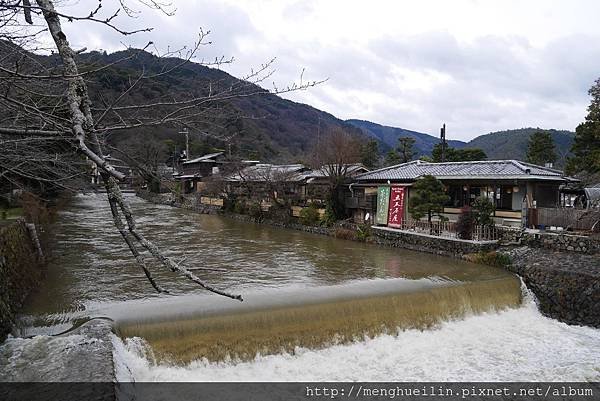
187, 143
443, 141
319, 142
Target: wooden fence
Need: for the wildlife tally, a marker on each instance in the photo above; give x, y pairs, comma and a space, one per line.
576, 219
448, 229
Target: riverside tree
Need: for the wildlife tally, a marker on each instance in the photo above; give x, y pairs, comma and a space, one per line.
541, 149
335, 155
51, 128
585, 161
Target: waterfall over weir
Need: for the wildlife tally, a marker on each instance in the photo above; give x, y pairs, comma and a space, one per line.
188, 328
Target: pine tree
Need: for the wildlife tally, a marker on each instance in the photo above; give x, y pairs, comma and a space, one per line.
369, 154
405, 148
541, 149
428, 197
457, 155
586, 146
392, 158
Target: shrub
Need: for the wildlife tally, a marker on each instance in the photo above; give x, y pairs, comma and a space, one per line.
465, 223
255, 210
363, 232
344, 233
483, 209
492, 258
239, 207
329, 217
309, 216
280, 213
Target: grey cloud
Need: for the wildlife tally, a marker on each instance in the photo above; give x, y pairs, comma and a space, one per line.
494, 82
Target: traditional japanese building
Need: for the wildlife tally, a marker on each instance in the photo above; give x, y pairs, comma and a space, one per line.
513, 186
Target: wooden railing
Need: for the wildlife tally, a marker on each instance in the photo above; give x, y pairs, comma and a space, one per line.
448, 229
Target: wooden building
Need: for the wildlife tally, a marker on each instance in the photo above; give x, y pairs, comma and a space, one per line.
513, 186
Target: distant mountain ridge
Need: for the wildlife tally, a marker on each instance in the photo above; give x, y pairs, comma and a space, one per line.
512, 144
388, 137
509, 144
265, 127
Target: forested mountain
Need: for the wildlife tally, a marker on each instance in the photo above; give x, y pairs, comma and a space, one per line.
388, 137
509, 144
262, 126
512, 144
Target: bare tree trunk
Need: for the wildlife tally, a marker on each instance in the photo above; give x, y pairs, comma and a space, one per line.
36, 240
81, 123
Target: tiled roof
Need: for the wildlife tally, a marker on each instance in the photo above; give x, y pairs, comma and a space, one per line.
486, 169
204, 158
270, 172
351, 170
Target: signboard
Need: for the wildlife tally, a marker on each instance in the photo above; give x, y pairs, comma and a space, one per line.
396, 211
383, 201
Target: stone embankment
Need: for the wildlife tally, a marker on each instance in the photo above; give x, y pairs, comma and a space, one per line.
555, 241
452, 247
21, 269
566, 284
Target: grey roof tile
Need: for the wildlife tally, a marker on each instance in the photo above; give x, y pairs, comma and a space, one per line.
468, 170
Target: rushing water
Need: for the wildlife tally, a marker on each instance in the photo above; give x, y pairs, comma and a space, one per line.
426, 317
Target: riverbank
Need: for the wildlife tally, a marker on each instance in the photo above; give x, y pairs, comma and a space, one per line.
563, 271
21, 269
567, 285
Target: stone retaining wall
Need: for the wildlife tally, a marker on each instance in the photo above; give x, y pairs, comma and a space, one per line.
20, 271
552, 241
430, 243
567, 285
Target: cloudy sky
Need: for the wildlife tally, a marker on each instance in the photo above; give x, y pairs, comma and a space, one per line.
477, 65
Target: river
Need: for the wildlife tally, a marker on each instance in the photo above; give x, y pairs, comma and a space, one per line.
460, 321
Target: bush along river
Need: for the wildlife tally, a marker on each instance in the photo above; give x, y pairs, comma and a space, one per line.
315, 309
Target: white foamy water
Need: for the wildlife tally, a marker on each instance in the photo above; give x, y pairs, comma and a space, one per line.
512, 345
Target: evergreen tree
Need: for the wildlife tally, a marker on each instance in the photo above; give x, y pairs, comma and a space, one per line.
405, 148
541, 149
369, 154
392, 158
586, 146
457, 155
483, 210
428, 198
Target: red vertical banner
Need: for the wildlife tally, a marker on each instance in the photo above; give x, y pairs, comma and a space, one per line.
396, 212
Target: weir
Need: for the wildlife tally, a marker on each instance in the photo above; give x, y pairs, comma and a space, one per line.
191, 327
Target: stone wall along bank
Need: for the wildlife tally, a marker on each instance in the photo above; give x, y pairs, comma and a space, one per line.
553, 241
430, 243
567, 285
21, 270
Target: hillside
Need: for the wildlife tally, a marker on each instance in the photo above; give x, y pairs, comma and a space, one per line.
263, 126
388, 137
509, 144
512, 144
